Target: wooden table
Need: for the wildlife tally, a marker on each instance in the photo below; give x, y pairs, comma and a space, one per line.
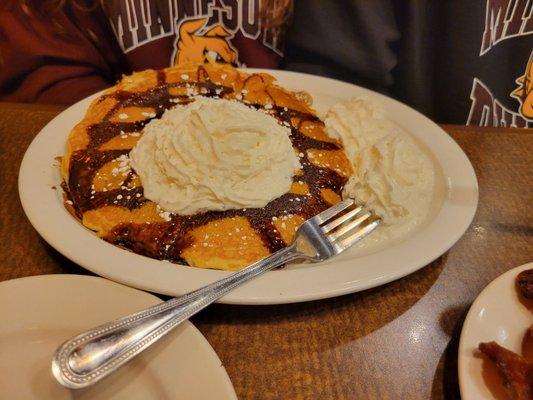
398, 341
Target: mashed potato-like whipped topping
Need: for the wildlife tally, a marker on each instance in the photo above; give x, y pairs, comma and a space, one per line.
392, 175
214, 154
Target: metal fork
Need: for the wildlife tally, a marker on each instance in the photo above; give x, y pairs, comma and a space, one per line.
92, 355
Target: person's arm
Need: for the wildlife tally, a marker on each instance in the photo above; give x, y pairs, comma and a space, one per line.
58, 58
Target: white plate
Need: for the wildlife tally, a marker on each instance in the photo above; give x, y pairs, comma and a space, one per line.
496, 315
454, 209
37, 314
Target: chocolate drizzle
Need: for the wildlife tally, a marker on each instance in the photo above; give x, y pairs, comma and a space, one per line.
166, 240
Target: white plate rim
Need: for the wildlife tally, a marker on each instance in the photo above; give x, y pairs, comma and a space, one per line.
211, 357
296, 284
463, 354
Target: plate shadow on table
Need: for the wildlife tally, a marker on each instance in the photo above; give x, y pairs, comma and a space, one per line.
62, 264
351, 316
446, 380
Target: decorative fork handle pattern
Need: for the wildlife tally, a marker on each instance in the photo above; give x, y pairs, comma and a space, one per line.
94, 354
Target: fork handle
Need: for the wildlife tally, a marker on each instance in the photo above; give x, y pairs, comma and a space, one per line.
94, 354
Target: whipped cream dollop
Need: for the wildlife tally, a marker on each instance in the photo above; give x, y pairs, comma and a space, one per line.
214, 154
392, 175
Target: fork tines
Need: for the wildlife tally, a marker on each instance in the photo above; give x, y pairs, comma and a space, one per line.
351, 223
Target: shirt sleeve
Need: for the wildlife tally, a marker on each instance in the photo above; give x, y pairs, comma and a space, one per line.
53, 60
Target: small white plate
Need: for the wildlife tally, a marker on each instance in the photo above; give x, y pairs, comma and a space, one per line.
358, 269
38, 313
496, 315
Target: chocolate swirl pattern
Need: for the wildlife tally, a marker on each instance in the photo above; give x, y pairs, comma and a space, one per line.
107, 195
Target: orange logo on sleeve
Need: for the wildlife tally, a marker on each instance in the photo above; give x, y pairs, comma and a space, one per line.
524, 93
193, 47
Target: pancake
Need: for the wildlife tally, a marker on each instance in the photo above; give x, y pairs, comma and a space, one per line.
107, 195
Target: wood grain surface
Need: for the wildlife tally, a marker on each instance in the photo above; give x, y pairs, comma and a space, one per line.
398, 341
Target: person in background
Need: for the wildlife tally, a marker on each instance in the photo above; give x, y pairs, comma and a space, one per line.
60, 51
457, 61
